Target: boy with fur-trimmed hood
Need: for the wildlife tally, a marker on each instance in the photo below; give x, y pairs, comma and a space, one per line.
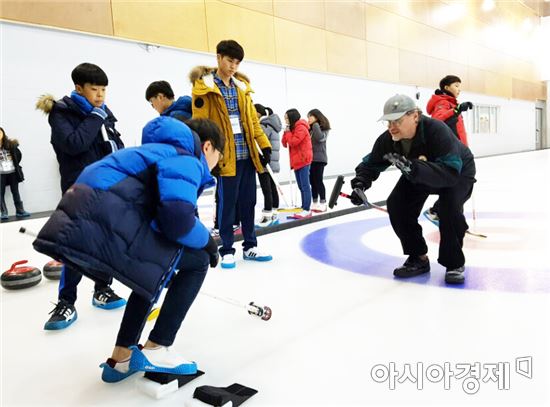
83, 132
223, 95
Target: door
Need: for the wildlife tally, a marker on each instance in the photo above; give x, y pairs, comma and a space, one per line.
538, 128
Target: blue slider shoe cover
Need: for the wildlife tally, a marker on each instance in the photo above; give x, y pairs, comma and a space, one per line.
140, 362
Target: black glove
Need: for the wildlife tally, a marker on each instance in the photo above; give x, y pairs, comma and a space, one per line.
401, 162
355, 198
266, 156
463, 107
212, 250
358, 182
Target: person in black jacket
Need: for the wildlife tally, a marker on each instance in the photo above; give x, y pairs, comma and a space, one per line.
83, 132
11, 174
432, 161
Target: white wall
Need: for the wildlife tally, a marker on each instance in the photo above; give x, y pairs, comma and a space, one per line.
38, 60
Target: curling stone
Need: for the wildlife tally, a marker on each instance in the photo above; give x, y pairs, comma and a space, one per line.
20, 277
52, 270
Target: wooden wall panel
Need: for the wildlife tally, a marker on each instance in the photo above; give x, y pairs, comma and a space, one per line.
382, 27
253, 30
346, 17
300, 45
263, 6
346, 55
405, 41
382, 62
419, 38
413, 69
179, 24
498, 85
476, 80
93, 17
528, 90
301, 11
437, 69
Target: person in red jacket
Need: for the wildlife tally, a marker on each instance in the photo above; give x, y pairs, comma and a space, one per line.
298, 141
443, 105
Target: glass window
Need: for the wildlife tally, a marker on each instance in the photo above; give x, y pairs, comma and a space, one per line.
482, 119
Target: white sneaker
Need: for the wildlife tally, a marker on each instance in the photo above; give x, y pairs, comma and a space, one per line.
256, 255
266, 219
164, 357
314, 206
322, 207
275, 215
228, 261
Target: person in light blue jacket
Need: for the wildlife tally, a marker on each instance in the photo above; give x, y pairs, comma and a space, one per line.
271, 125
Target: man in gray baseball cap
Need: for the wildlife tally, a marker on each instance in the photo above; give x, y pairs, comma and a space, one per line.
397, 106
432, 162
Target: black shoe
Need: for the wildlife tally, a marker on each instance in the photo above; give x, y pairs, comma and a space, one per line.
413, 266
455, 276
63, 315
106, 298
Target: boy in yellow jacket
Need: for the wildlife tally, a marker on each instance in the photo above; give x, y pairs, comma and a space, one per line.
223, 95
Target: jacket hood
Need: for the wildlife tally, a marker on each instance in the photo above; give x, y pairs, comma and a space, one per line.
301, 123
435, 99
183, 103
45, 103
201, 71
272, 121
167, 130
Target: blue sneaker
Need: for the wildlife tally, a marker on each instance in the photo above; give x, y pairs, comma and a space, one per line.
4, 216
23, 214
114, 371
106, 298
228, 261
256, 255
160, 360
63, 315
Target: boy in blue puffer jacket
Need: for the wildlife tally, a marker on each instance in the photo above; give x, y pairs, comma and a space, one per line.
161, 97
132, 216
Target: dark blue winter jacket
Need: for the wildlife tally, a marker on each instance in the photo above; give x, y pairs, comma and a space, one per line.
77, 139
180, 109
129, 214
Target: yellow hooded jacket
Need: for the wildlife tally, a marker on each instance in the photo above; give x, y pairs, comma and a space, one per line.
208, 103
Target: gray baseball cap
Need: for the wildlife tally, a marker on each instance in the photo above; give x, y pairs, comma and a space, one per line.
397, 106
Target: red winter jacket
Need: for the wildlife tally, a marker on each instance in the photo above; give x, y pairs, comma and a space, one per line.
441, 107
299, 145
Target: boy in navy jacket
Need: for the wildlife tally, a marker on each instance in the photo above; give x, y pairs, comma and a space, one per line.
83, 132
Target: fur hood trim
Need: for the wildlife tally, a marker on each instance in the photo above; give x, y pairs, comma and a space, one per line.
206, 72
45, 103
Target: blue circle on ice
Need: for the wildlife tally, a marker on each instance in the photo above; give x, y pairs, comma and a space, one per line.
341, 246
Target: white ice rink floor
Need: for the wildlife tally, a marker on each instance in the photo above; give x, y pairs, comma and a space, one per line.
344, 332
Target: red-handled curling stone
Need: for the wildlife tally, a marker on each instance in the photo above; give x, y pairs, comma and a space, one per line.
52, 270
20, 277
